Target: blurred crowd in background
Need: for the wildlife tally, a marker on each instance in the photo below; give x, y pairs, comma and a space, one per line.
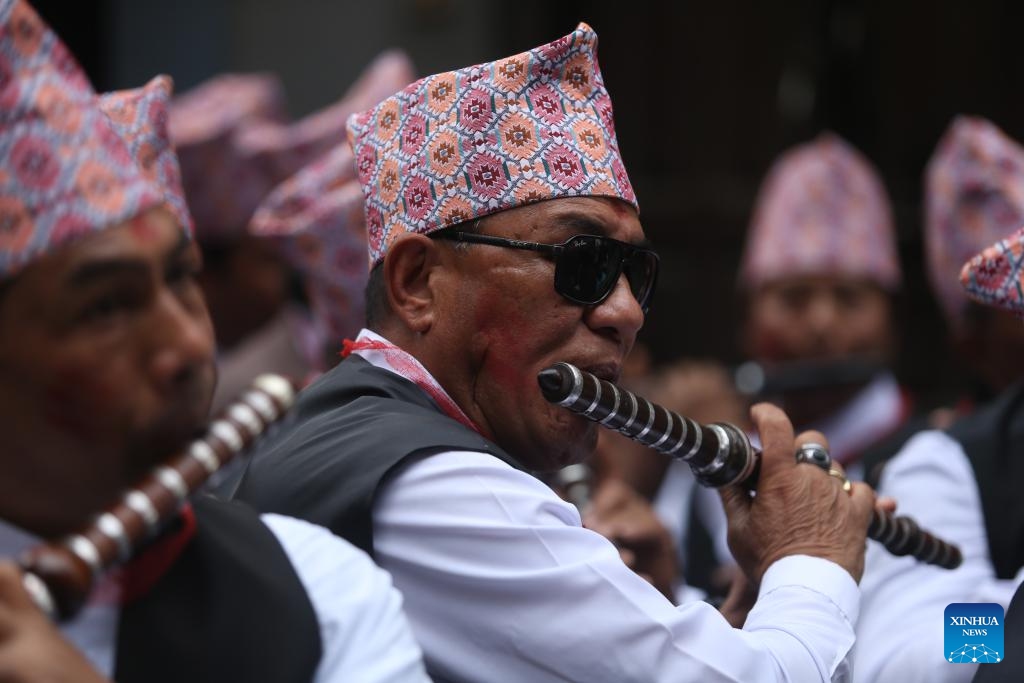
708, 97
812, 174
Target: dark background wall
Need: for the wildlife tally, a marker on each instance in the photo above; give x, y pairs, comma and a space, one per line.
706, 95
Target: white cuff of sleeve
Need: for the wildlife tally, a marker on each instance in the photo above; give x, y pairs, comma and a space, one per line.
816, 574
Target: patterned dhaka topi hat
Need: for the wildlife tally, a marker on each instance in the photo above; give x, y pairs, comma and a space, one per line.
64, 170
241, 148
468, 143
221, 189
280, 151
996, 276
974, 194
140, 116
821, 210
316, 217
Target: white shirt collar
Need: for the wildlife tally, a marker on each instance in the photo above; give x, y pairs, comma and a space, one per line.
373, 356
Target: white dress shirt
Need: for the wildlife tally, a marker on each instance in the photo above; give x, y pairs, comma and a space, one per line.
502, 583
900, 633
364, 635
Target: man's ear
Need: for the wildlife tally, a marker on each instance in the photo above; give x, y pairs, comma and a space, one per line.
407, 268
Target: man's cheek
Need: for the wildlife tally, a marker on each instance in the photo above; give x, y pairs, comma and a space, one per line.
769, 343
77, 399
503, 333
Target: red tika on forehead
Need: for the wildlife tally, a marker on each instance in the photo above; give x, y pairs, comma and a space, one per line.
464, 144
65, 171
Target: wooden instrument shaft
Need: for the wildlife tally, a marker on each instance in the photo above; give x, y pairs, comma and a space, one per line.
61, 574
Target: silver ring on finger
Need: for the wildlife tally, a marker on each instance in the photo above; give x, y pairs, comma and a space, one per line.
814, 454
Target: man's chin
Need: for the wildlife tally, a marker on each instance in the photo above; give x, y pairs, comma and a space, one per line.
571, 446
165, 440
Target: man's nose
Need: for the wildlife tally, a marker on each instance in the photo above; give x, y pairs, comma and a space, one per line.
183, 340
619, 315
822, 317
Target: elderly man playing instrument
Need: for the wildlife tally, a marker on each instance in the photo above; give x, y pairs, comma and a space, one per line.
504, 236
106, 370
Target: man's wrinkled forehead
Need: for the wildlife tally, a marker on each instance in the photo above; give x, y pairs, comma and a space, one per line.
568, 216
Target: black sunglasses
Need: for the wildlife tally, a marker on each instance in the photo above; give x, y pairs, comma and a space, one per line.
587, 267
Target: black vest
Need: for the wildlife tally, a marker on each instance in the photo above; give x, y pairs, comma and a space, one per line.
993, 439
1012, 668
350, 430
231, 608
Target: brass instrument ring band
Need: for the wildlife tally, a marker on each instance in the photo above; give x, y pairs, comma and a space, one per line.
41, 595
262, 404
721, 455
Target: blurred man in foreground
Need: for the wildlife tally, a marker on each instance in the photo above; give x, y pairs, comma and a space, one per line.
106, 370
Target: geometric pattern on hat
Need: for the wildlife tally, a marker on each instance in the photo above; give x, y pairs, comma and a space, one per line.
996, 276
821, 210
221, 190
140, 117
974, 196
316, 218
468, 143
64, 171
256, 153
